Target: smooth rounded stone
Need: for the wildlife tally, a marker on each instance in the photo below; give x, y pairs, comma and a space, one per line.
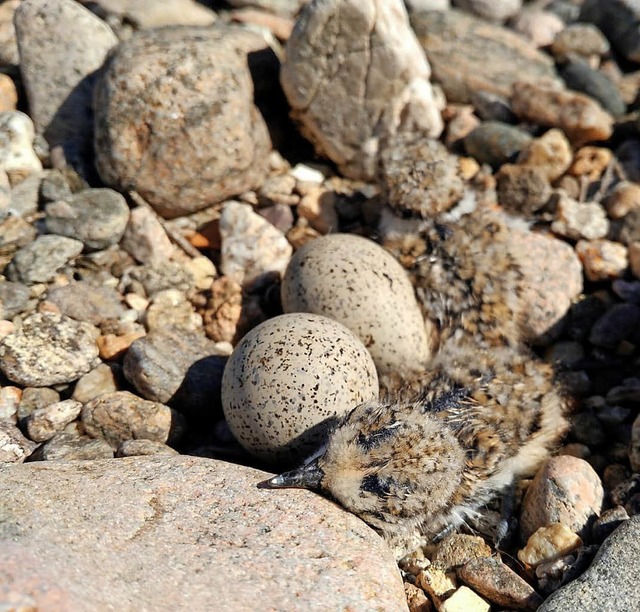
580, 76
145, 239
287, 549
98, 217
581, 39
538, 26
602, 259
83, 301
420, 175
48, 349
100, 380
565, 490
121, 416
317, 212
71, 447
17, 156
14, 447
577, 115
354, 76
579, 220
619, 20
34, 398
44, 423
458, 47
492, 10
611, 583
152, 14
496, 143
617, 324
14, 298
523, 189
287, 381
251, 246
39, 261
356, 282
499, 584
164, 83
155, 278
138, 448
170, 308
551, 153
61, 46
622, 199
492, 107
464, 600
549, 543
189, 381
455, 550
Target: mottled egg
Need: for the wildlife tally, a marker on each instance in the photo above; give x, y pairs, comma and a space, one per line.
288, 379
355, 281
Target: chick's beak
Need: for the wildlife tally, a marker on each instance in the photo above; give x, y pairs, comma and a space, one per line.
308, 476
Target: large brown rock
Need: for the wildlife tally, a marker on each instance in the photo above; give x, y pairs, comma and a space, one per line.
182, 533
175, 118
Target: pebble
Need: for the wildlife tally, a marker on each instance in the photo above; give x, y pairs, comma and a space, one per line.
286, 550
25, 195
9, 400
145, 239
40, 260
608, 522
61, 45
578, 116
579, 220
251, 246
14, 447
549, 543
373, 65
539, 26
8, 45
496, 143
622, 199
455, 550
139, 448
610, 584
420, 175
318, 206
634, 446
149, 14
121, 416
496, 10
100, 380
44, 423
581, 39
190, 380
34, 398
590, 162
113, 346
83, 301
223, 311
14, 299
602, 259
287, 381
97, 217
437, 584
565, 490
143, 109
550, 153
630, 230
416, 599
170, 308
579, 76
499, 584
48, 350
17, 157
71, 447
458, 45
465, 600
356, 282
523, 189
616, 325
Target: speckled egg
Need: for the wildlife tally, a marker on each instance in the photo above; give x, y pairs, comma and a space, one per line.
355, 281
286, 381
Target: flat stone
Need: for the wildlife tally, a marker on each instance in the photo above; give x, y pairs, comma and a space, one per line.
40, 260
121, 416
61, 45
97, 217
465, 600
459, 548
549, 543
144, 108
195, 522
44, 423
83, 301
71, 447
610, 584
355, 75
468, 54
135, 448
14, 298
48, 350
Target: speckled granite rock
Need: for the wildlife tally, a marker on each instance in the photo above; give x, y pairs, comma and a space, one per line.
287, 550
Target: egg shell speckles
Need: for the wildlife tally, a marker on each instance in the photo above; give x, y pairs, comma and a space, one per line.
355, 281
288, 378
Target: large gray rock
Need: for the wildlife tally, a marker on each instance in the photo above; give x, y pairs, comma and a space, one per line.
354, 75
61, 45
611, 583
182, 533
175, 118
